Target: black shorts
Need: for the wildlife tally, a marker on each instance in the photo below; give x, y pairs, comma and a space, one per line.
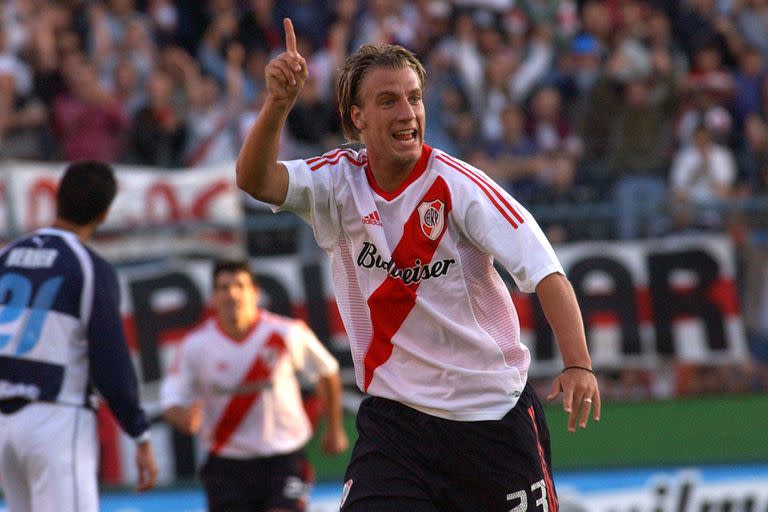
258, 484
405, 460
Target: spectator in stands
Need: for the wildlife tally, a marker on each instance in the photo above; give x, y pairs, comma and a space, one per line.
700, 24
752, 23
752, 153
538, 55
446, 97
310, 123
518, 161
465, 132
159, 133
57, 46
701, 179
24, 132
638, 103
561, 16
120, 15
597, 22
547, 125
578, 70
326, 62
210, 123
216, 44
23, 117
310, 17
660, 41
748, 85
135, 46
496, 94
89, 121
127, 86
164, 20
383, 21
118, 31
463, 46
710, 88
257, 26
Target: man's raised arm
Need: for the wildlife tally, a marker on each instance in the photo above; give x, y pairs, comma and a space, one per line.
258, 172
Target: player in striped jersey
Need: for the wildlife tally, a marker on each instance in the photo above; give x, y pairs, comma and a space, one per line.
412, 232
61, 339
235, 380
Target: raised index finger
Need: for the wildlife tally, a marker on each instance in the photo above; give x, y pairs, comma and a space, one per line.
290, 37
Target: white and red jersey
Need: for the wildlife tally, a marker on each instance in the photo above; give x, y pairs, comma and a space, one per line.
429, 320
251, 395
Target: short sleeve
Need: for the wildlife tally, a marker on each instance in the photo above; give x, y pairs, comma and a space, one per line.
177, 387
310, 358
502, 227
311, 196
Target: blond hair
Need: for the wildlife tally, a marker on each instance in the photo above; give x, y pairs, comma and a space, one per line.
355, 69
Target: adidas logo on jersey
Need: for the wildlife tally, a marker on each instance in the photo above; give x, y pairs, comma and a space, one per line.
372, 218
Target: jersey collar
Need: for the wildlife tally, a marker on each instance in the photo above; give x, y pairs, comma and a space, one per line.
415, 174
245, 336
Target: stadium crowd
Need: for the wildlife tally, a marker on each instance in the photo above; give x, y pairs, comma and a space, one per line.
658, 106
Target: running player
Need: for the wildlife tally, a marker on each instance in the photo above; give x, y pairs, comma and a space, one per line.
61, 339
236, 377
412, 233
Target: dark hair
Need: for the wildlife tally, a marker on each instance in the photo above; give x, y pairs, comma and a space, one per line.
232, 266
86, 190
356, 68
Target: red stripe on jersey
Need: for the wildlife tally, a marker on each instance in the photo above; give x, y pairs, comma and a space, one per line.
335, 159
551, 496
238, 407
492, 186
487, 187
393, 300
330, 154
245, 336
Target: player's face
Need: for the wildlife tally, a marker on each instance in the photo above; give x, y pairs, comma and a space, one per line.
391, 118
235, 298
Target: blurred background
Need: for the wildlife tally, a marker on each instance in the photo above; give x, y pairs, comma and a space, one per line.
635, 131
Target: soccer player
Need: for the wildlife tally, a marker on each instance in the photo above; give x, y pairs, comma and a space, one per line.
412, 232
235, 379
61, 339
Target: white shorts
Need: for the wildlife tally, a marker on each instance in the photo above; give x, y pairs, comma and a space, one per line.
48, 459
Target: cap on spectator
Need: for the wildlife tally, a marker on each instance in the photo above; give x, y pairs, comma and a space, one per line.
585, 44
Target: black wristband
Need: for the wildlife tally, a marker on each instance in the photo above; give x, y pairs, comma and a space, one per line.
578, 368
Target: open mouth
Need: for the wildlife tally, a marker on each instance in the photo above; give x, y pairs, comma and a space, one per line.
405, 135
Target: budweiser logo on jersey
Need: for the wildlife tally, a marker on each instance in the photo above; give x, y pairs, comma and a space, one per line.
432, 215
369, 257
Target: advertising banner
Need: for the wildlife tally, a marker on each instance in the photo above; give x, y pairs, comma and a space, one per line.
687, 489
644, 303
156, 212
